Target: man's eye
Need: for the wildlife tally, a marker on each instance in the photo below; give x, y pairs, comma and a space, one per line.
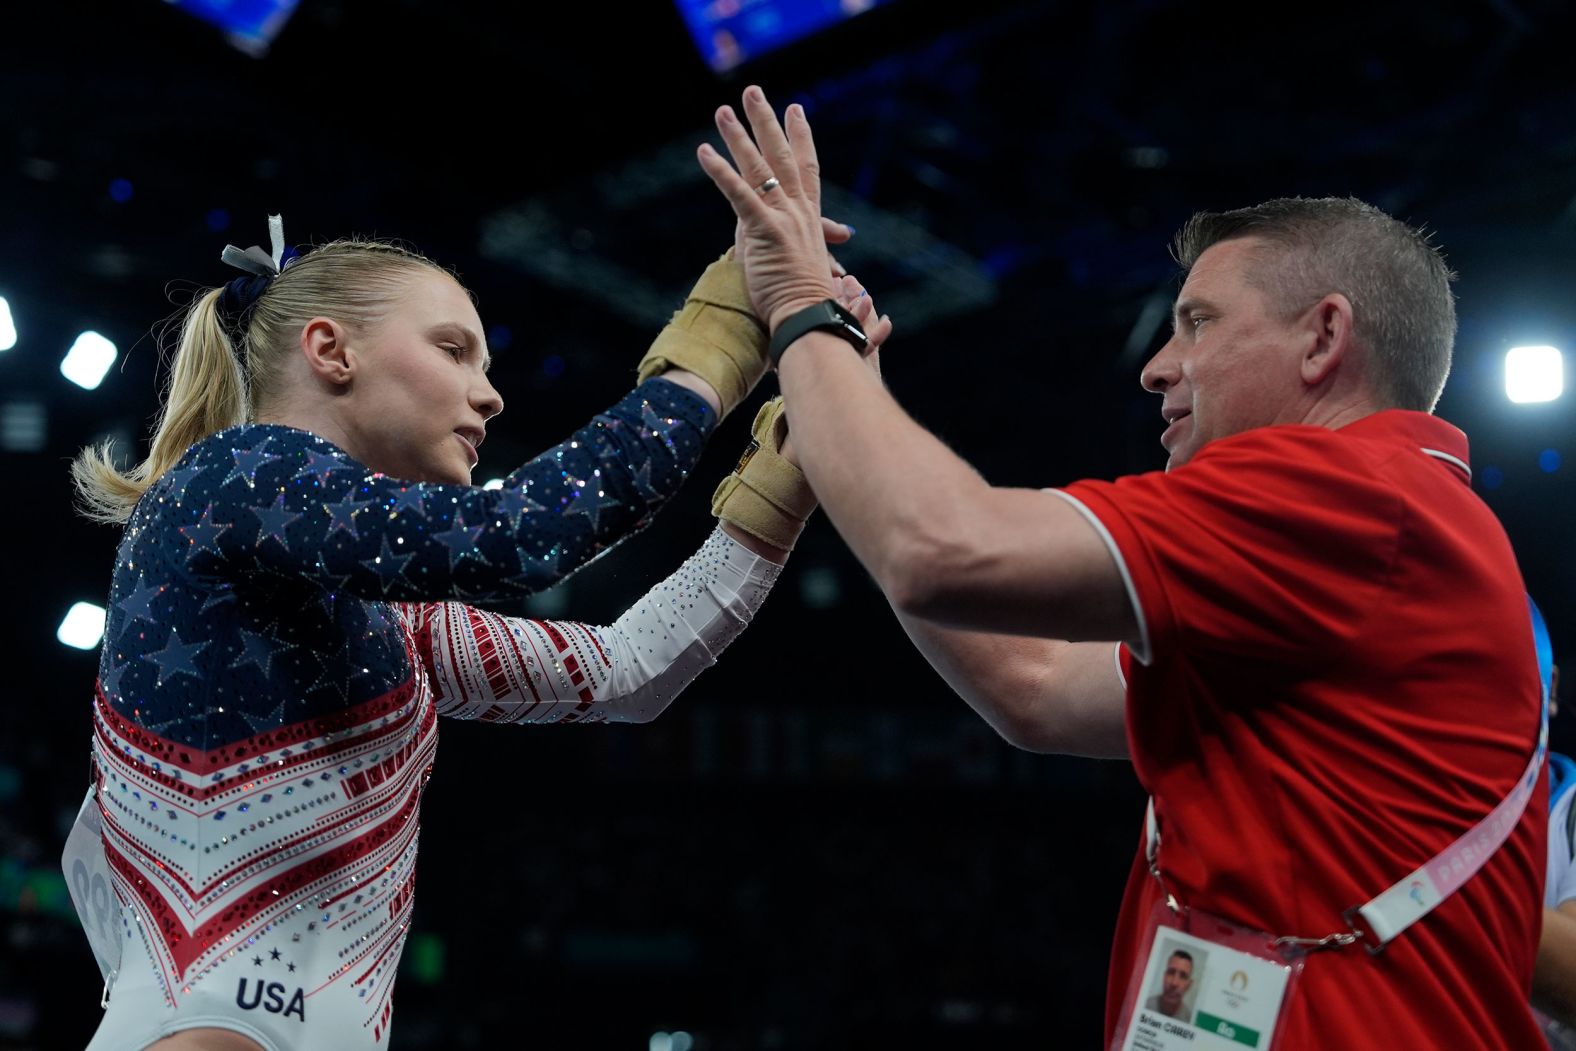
1196, 320
454, 352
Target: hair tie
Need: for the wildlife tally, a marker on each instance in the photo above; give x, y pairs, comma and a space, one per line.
240, 296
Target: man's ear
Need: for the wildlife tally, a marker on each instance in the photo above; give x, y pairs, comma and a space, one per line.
1330, 340
326, 347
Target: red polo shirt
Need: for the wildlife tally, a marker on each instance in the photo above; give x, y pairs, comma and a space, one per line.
1336, 679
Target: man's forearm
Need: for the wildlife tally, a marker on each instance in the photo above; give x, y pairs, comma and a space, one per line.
941, 542
1042, 695
874, 469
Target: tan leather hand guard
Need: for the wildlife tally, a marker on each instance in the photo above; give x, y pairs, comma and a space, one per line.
766, 496
714, 335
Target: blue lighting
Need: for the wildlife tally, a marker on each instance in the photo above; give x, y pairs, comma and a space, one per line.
731, 32
1492, 477
120, 191
1549, 461
251, 25
499, 337
552, 366
218, 220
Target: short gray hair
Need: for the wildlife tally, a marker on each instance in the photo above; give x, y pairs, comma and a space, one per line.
1396, 280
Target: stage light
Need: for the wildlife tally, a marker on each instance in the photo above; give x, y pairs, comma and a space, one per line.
83, 626
493, 483
7, 326
88, 360
661, 1041
23, 426
1534, 374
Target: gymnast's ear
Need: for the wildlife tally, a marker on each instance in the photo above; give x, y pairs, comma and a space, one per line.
325, 346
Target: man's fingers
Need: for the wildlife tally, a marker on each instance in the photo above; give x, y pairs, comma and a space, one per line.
746, 202
880, 332
752, 167
803, 145
771, 142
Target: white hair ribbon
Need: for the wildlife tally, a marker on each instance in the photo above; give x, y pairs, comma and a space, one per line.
256, 261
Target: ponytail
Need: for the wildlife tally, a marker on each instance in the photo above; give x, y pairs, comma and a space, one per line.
355, 281
206, 393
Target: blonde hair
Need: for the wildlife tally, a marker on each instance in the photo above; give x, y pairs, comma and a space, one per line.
213, 384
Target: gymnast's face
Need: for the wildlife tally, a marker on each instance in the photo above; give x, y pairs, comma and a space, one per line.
420, 397
1232, 362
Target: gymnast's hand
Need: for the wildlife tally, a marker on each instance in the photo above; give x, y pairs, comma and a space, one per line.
776, 194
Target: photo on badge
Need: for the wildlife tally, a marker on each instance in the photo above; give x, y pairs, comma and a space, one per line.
1174, 971
1213, 993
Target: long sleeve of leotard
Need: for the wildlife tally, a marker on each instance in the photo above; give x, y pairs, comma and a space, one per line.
512, 670
270, 505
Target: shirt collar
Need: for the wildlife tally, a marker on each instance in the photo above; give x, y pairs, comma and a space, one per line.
1429, 433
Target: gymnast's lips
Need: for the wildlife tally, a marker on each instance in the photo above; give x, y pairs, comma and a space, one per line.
473, 438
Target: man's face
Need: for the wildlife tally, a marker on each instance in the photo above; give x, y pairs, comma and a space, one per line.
1178, 978
1232, 363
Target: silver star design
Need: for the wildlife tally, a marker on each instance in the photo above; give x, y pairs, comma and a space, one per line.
343, 514
320, 467
330, 678
591, 501
111, 682
515, 504
202, 534
387, 565
410, 499
643, 484
260, 651
139, 604
274, 521
178, 481
247, 464
176, 658
661, 426
461, 542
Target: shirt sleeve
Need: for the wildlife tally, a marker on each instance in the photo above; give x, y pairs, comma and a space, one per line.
513, 670
273, 505
1264, 546
1562, 871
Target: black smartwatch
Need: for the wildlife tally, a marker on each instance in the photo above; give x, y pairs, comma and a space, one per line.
826, 316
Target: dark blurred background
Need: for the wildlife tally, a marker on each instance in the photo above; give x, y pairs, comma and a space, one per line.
817, 846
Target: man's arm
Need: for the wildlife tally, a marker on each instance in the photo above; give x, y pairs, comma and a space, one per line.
943, 544
1043, 695
1554, 974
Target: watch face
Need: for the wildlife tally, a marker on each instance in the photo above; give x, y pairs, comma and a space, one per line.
846, 319
827, 315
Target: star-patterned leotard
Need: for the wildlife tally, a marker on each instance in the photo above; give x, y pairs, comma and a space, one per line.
265, 718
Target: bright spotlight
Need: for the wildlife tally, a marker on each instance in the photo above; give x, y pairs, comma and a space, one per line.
7, 326
493, 483
83, 626
88, 360
1534, 374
